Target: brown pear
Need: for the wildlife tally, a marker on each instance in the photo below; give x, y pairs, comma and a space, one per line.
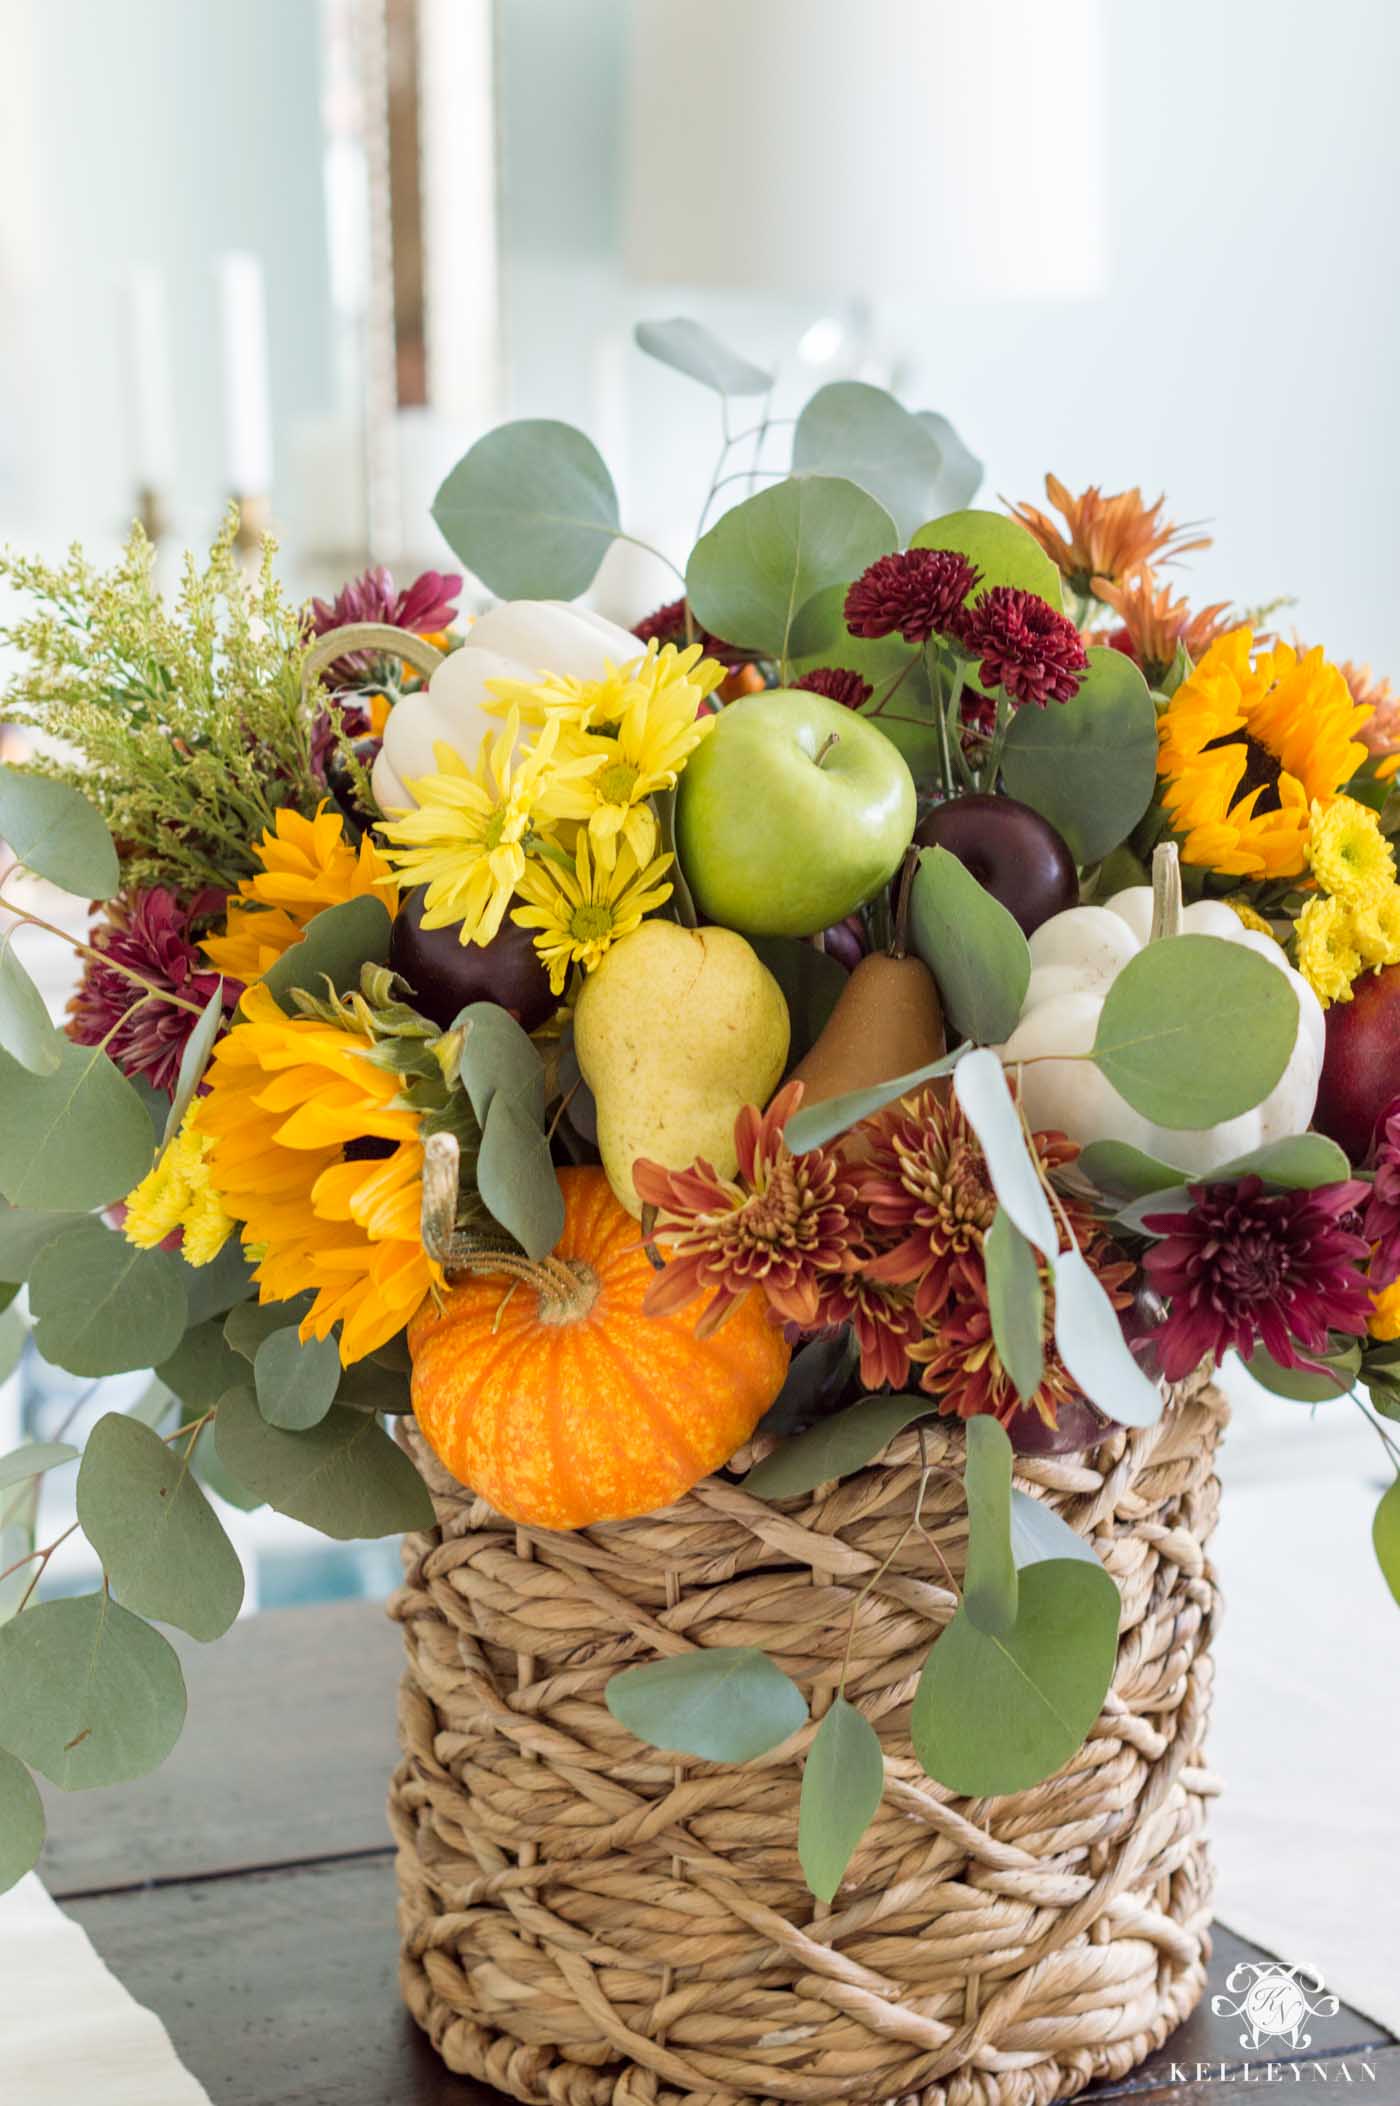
887, 1021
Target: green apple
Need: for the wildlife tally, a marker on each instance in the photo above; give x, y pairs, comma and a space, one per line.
792, 813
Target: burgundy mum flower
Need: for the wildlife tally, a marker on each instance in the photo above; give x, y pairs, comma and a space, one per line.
149, 933
918, 591
667, 625
838, 683
1024, 646
1381, 1224
426, 606
1246, 1267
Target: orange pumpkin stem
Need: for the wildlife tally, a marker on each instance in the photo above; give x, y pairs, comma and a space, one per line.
566, 1289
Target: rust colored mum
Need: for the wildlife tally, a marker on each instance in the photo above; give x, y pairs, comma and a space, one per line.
149, 933
917, 591
783, 1223
1381, 735
883, 1320
1023, 646
1156, 626
838, 683
1105, 540
959, 1365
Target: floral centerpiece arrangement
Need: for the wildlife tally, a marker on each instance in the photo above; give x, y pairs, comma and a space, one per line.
927, 976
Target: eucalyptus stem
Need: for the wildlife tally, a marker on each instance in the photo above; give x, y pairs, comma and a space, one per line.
945, 756
88, 950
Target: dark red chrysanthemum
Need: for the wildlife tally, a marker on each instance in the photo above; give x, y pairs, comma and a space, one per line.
838, 683
1381, 1223
918, 591
150, 933
1024, 646
667, 626
426, 606
1247, 1267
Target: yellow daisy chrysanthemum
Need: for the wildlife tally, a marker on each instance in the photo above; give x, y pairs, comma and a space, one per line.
1385, 1312
312, 1147
308, 864
466, 841
179, 1193
1328, 957
1247, 747
1375, 927
579, 913
653, 741
1249, 916
660, 673
1347, 852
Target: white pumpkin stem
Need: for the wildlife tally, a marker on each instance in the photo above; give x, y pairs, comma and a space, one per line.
1166, 891
424, 657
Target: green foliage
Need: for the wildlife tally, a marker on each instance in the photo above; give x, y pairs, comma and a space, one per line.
972, 946
531, 509
515, 1176
202, 1366
689, 348
962, 471
990, 1585
1089, 1339
765, 559
1038, 1533
162, 1545
843, 1781
89, 1694
1195, 1030
193, 1061
337, 945
860, 432
295, 1382
835, 1446
1000, 547
812, 984
103, 1307
33, 1459
1303, 1385
21, 1821
1299, 1163
981, 1089
820, 1123
27, 1032
1016, 1301
72, 1140
247, 1325
55, 831
1088, 765
186, 721
728, 1703
211, 1289
23, 1234
343, 1476
1385, 1534
1125, 1172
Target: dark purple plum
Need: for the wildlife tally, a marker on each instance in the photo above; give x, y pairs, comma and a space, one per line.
1011, 851
446, 974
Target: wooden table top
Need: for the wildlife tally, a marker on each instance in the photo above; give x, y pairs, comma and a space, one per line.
245, 1892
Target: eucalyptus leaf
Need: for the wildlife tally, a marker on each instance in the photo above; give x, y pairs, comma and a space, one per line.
212, 1289
21, 1821
997, 1714
812, 983
690, 348
1001, 548
972, 946
761, 561
295, 1382
23, 1234
836, 1446
817, 1124
1089, 1339
202, 1366
843, 1781
33, 1459
368, 1386
1088, 765
1016, 1302
54, 831
27, 1031
1125, 1172
1195, 1030
516, 1178
13, 1333
103, 1307
499, 1056
249, 1323
1385, 1534
962, 471
215, 1478
338, 942
73, 1140
990, 1586
1299, 1163
531, 510
1303, 1385
852, 429
680, 907
161, 1543
727, 1703
89, 1694
344, 1476
901, 704
193, 1061
1038, 1534
818, 1375
981, 1088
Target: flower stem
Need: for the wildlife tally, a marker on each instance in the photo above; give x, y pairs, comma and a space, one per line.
87, 950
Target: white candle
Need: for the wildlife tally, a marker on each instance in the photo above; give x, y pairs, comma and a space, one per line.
247, 409
151, 394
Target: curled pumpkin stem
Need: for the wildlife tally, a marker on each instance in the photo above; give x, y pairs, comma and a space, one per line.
565, 1290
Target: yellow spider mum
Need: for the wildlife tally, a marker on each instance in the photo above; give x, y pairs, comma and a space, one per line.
1349, 855
1248, 747
654, 739
467, 839
1375, 925
1328, 957
179, 1194
661, 673
1249, 916
579, 913
308, 864
313, 1149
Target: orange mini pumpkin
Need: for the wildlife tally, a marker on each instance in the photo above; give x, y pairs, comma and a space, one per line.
555, 1398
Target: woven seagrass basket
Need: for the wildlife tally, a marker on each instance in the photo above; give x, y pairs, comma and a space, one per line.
586, 1921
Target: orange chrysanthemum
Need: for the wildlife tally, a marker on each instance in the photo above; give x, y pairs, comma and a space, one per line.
1246, 746
1107, 540
1156, 626
313, 1148
308, 864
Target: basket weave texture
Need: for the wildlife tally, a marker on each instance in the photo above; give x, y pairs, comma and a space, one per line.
586, 1921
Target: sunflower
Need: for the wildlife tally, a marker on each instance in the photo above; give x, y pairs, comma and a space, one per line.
662, 675
653, 740
307, 865
1246, 746
580, 912
1107, 540
315, 1150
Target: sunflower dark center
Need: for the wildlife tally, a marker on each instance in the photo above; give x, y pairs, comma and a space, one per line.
1262, 770
367, 1148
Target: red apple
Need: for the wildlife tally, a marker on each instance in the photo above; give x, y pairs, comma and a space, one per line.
1011, 851
446, 974
1361, 1067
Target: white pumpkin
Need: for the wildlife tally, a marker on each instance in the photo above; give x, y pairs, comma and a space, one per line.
519, 640
1075, 957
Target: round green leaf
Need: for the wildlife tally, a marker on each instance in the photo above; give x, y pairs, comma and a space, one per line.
249, 1323
1304, 1385
212, 1289
76, 1139
296, 1383
1089, 1339
1016, 1302
26, 1029
1125, 1172
23, 1234
516, 1179
690, 348
763, 560
161, 1543
989, 1590
193, 1062
103, 1307
531, 509
339, 941
728, 1703
215, 1478
904, 711
1300, 1163
972, 946
997, 1714
57, 834
1196, 1030
1088, 765
852, 429
21, 1821
499, 1056
1000, 547
345, 1476
835, 1446
202, 1366
843, 1781
89, 1694
1385, 1534
33, 1459
962, 471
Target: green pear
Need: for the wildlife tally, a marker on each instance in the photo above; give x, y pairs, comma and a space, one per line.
675, 1032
